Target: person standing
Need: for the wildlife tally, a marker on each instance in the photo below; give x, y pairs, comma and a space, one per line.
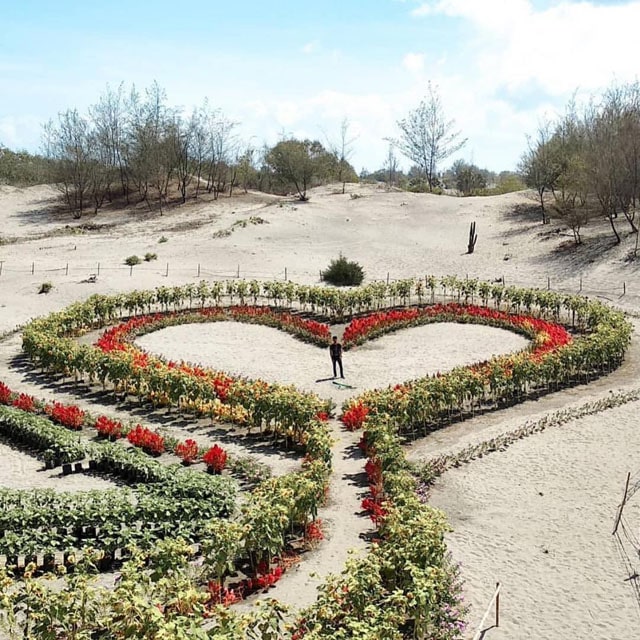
335, 349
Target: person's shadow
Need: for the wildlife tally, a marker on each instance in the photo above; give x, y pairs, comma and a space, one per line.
325, 379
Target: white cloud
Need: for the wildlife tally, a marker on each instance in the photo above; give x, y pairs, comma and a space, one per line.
310, 47
19, 132
413, 62
494, 15
568, 45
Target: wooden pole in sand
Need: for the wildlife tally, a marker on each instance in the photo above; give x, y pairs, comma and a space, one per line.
624, 500
496, 598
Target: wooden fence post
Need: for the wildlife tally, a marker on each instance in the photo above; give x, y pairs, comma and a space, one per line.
33, 268
98, 269
166, 275
198, 269
624, 500
66, 270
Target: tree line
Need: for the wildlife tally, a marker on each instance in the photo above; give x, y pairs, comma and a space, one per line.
586, 164
132, 147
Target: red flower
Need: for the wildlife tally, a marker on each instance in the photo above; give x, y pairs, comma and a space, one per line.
5, 394
313, 531
108, 428
68, 416
216, 457
375, 509
146, 439
353, 418
25, 403
187, 450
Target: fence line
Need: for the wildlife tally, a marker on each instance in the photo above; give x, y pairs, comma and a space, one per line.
611, 290
495, 598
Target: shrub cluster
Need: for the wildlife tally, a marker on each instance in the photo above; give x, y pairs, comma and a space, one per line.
343, 273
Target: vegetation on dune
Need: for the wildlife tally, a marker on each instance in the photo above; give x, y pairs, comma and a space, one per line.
23, 169
586, 164
343, 273
131, 147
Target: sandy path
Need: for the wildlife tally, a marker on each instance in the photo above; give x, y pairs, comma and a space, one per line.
264, 352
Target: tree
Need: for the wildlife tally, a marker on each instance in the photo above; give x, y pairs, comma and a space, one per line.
468, 177
342, 151
21, 168
390, 167
572, 193
109, 118
427, 137
68, 144
295, 163
539, 167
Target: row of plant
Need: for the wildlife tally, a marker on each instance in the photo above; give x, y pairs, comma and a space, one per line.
405, 587
177, 502
100, 310
68, 449
553, 360
547, 335
171, 500
282, 410
432, 468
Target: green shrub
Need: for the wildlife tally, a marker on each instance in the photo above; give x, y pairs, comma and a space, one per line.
45, 287
343, 273
163, 239
132, 261
148, 257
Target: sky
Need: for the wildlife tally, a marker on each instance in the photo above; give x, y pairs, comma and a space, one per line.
300, 68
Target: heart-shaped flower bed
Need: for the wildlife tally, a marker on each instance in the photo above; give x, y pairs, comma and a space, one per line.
392, 589
463, 386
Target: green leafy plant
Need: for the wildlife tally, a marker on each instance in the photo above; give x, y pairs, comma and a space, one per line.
148, 257
131, 261
343, 273
163, 239
45, 287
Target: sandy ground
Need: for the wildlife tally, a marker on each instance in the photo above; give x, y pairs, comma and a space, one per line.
553, 552
20, 471
539, 518
262, 352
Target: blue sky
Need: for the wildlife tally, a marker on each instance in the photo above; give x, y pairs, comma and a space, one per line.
300, 68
